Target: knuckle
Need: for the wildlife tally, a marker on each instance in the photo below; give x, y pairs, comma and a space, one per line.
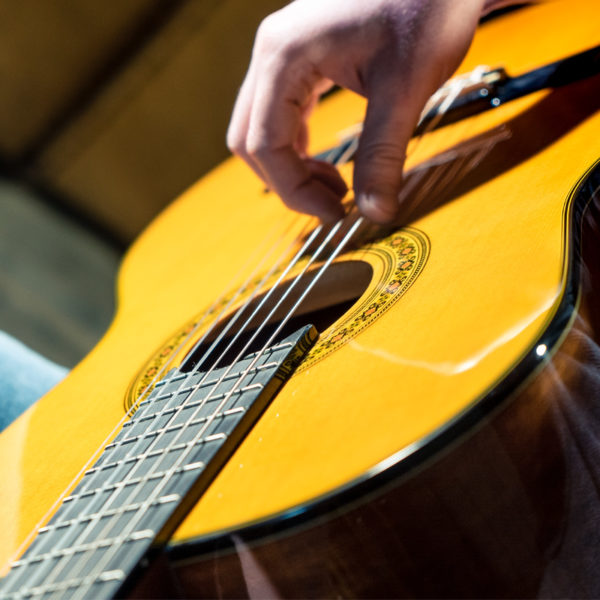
275, 39
268, 35
294, 200
235, 143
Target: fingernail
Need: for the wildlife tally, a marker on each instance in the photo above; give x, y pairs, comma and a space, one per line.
378, 208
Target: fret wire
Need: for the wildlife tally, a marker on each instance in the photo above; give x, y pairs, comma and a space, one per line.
230, 302
140, 457
64, 556
121, 510
59, 500
63, 586
141, 396
166, 449
99, 543
175, 409
307, 244
258, 355
119, 485
314, 235
136, 541
210, 418
168, 428
202, 383
178, 426
189, 445
143, 435
274, 232
281, 277
112, 511
204, 428
184, 454
293, 262
266, 277
88, 518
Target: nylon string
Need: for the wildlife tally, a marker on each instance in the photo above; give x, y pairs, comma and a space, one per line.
155, 494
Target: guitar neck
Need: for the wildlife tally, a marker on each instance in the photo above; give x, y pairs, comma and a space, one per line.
149, 477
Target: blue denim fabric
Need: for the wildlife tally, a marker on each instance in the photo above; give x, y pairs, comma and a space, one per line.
25, 376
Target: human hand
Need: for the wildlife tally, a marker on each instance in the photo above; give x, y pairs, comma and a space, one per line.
396, 53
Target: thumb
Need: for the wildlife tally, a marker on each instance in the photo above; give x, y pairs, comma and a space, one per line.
379, 162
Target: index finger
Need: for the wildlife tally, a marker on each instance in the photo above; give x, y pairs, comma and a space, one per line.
237, 131
282, 93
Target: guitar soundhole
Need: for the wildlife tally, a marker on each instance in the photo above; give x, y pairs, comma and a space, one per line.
334, 294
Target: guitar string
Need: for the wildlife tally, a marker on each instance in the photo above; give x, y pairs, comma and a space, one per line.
261, 284
80, 565
64, 563
166, 477
263, 281
247, 303
281, 237
244, 287
239, 312
240, 331
455, 90
155, 494
348, 152
341, 159
77, 568
313, 236
299, 255
312, 283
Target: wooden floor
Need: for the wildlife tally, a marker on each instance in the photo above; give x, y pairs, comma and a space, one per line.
56, 277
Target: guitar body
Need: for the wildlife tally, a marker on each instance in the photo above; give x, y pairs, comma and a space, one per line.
438, 440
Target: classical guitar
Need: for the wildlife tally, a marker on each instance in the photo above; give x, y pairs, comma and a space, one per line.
284, 408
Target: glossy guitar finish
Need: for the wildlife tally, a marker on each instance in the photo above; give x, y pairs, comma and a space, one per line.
439, 441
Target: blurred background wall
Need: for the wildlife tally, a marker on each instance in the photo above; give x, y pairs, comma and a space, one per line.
108, 110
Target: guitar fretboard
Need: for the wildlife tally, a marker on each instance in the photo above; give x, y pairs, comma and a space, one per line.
149, 477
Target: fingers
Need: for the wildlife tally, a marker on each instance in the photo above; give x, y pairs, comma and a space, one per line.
381, 153
321, 87
277, 124
399, 82
395, 52
328, 175
239, 123
268, 130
